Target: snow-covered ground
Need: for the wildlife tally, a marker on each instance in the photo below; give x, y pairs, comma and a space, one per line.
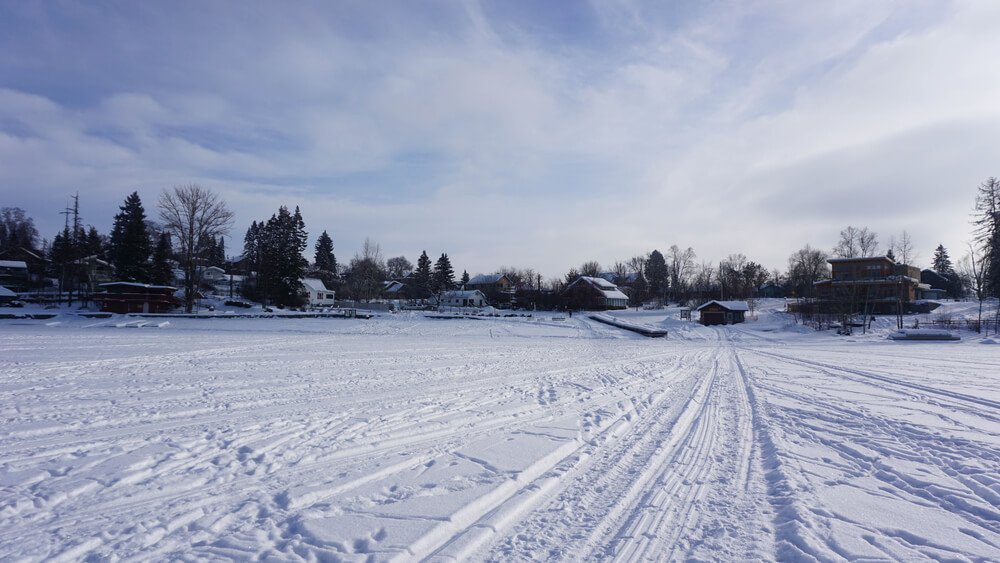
505, 439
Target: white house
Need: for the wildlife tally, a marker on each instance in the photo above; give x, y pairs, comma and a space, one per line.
213, 275
319, 295
463, 298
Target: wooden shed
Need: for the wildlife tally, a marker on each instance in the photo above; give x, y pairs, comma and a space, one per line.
722, 312
129, 297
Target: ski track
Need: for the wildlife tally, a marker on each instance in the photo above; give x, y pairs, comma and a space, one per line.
489, 439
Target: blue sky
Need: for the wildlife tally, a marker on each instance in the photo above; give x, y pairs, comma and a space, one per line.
534, 134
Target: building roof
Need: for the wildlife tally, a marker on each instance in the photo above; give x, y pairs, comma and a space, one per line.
609, 289
315, 284
484, 279
13, 264
729, 305
461, 294
4, 292
860, 259
136, 284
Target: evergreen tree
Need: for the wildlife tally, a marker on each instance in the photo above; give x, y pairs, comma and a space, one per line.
129, 242
95, 244
639, 288
444, 274
657, 275
422, 276
279, 244
161, 271
987, 224
219, 258
465, 278
890, 255
325, 260
942, 262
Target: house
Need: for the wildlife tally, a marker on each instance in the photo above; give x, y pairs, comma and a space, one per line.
213, 274
94, 272
319, 295
722, 312
497, 288
37, 264
463, 298
6, 296
131, 297
395, 289
14, 275
870, 285
595, 294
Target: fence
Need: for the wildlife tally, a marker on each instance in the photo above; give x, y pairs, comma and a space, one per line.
985, 326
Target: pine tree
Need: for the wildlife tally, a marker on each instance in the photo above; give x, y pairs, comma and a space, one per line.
444, 275
325, 260
422, 276
161, 271
465, 278
657, 275
279, 245
94, 243
129, 242
942, 262
890, 255
987, 224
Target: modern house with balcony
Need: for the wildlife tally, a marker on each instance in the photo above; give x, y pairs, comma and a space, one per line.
870, 285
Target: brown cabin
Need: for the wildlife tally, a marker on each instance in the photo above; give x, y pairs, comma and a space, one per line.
129, 297
722, 312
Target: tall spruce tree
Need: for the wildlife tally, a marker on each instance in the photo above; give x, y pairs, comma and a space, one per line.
422, 276
465, 278
129, 243
657, 275
444, 274
161, 271
987, 224
325, 260
942, 262
280, 244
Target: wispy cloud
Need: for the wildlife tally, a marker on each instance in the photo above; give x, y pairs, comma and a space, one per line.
513, 133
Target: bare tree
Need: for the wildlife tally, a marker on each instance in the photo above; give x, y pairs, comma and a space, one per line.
807, 266
591, 269
902, 249
972, 268
367, 271
637, 263
193, 215
398, 267
621, 272
856, 243
680, 263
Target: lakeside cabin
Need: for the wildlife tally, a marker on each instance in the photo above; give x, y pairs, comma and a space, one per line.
722, 312
319, 294
463, 298
131, 297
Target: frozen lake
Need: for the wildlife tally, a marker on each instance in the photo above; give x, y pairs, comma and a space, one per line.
507, 439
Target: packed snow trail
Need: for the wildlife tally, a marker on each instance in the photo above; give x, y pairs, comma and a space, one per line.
502, 439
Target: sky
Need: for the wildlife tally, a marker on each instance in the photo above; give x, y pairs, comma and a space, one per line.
532, 134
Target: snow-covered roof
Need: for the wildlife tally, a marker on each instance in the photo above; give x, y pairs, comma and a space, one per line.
461, 294
13, 264
731, 305
608, 289
860, 259
315, 284
611, 276
483, 279
4, 292
136, 284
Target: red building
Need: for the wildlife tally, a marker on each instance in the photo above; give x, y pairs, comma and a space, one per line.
129, 297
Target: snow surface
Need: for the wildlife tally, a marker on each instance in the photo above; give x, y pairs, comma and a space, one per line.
503, 439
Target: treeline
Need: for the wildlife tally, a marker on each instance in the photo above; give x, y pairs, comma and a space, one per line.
192, 222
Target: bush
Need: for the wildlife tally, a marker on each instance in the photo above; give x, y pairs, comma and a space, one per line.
233, 303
